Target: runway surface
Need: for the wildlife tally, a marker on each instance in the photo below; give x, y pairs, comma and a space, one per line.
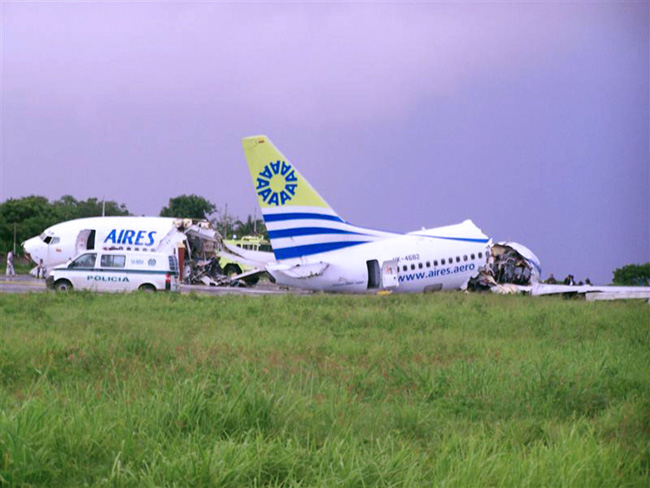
29, 284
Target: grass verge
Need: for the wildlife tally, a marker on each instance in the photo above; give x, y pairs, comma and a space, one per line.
435, 390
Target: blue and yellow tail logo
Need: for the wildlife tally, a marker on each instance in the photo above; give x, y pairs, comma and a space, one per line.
277, 183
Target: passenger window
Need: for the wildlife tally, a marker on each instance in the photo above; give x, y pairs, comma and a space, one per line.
473, 257
404, 268
84, 261
435, 263
480, 255
442, 261
428, 264
458, 259
420, 265
113, 261
465, 257
412, 266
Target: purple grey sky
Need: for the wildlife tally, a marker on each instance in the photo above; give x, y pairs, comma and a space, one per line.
532, 119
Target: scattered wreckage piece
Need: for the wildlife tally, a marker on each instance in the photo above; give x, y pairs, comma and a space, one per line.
201, 265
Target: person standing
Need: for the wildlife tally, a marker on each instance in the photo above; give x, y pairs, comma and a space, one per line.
10, 265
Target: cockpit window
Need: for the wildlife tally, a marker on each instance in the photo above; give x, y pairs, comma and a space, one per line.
49, 239
84, 261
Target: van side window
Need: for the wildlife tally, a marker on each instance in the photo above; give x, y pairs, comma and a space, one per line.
113, 261
84, 261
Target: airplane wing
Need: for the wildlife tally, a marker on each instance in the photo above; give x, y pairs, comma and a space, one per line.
591, 293
251, 258
606, 292
301, 271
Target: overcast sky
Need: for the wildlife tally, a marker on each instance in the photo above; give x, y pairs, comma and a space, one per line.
532, 119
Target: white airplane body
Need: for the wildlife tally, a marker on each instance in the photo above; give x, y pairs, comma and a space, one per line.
61, 242
316, 249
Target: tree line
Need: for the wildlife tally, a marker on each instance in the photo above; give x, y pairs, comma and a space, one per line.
22, 218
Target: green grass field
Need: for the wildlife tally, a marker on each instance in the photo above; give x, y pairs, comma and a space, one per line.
450, 390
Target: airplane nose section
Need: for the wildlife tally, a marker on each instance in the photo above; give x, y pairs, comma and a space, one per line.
31, 249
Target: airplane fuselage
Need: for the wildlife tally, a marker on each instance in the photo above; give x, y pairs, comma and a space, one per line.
61, 242
402, 264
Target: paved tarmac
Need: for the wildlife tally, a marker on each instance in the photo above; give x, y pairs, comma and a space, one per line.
29, 284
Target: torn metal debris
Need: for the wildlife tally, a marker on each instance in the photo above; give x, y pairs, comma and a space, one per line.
509, 265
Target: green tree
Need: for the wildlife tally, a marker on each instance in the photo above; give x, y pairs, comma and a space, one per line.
188, 207
33, 214
633, 275
251, 226
29, 216
68, 208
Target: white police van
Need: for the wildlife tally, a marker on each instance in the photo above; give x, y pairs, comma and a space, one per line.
117, 271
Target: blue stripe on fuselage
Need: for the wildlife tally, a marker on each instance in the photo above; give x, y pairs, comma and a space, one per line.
306, 250
464, 239
307, 231
300, 216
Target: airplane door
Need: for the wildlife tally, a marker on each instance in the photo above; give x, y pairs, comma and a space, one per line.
85, 241
389, 274
374, 275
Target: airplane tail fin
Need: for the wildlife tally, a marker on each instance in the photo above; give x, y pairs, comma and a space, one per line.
299, 221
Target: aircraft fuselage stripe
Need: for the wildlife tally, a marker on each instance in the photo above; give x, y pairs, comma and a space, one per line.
307, 231
306, 250
300, 216
465, 239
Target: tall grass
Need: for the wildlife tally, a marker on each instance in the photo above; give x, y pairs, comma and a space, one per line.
435, 390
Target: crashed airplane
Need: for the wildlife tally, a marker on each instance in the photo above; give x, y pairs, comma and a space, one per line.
197, 240
315, 249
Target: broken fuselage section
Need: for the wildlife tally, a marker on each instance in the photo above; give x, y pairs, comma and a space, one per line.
195, 243
509, 265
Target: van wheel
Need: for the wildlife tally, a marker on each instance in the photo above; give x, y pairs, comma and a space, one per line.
232, 270
147, 288
63, 285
